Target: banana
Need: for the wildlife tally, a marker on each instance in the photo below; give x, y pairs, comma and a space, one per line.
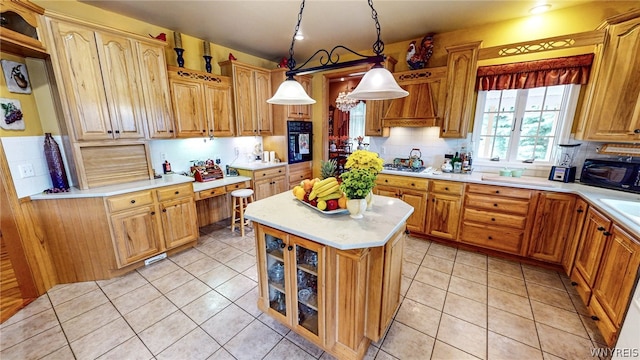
322, 186
330, 190
333, 195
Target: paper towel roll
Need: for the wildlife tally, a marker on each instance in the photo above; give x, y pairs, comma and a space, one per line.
265, 156
272, 156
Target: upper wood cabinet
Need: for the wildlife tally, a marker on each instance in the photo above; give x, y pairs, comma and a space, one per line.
251, 89
20, 33
201, 102
461, 78
155, 90
111, 82
613, 108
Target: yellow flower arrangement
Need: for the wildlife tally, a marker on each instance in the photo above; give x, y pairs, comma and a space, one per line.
365, 160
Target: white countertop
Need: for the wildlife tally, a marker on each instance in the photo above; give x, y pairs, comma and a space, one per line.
227, 180
284, 212
593, 195
257, 165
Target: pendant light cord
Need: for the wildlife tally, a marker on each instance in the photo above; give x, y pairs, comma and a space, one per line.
291, 63
378, 46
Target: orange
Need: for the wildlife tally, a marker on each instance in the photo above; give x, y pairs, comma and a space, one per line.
342, 202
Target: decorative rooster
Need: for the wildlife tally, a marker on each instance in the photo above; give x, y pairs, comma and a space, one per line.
418, 56
231, 57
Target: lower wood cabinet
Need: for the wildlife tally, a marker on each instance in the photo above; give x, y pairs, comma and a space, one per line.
550, 226
444, 209
96, 238
575, 231
497, 217
340, 300
411, 190
298, 172
267, 182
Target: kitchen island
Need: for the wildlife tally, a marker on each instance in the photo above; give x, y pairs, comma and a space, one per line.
332, 279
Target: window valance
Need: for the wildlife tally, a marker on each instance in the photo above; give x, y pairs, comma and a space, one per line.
538, 73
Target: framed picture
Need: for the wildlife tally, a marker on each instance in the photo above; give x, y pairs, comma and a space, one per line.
15, 74
11, 112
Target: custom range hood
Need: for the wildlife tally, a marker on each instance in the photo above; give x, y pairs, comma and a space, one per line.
421, 108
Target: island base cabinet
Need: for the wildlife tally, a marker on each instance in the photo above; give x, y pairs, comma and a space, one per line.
340, 300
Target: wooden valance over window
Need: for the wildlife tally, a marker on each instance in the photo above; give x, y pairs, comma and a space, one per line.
530, 74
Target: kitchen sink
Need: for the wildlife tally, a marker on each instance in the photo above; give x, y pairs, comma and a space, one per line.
628, 208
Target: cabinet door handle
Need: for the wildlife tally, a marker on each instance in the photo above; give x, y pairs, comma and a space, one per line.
573, 283
203, 130
433, 200
594, 318
600, 228
636, 131
490, 237
412, 184
171, 131
282, 245
177, 192
493, 219
164, 210
117, 131
109, 132
385, 180
133, 201
279, 171
290, 248
606, 233
497, 191
496, 205
153, 213
446, 188
579, 211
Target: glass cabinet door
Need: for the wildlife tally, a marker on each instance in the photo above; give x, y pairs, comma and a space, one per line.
307, 260
276, 273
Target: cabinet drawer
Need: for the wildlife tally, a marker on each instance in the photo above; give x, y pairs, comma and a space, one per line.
495, 203
581, 286
266, 173
241, 185
296, 177
501, 191
608, 330
447, 187
130, 200
491, 237
495, 218
402, 181
174, 192
205, 194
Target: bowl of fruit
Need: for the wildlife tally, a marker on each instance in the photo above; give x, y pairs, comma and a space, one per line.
322, 195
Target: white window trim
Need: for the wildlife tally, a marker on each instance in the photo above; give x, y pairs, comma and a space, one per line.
563, 133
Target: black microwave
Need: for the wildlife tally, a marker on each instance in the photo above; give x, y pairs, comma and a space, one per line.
299, 141
610, 174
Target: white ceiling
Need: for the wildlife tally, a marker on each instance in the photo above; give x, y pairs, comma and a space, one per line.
264, 28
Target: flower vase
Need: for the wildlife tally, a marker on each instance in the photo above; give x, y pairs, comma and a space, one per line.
356, 208
54, 162
369, 199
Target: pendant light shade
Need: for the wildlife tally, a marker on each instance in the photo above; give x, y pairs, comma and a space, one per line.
377, 84
290, 92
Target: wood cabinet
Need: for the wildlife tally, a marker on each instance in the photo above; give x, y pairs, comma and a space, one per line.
148, 222
20, 34
104, 85
340, 300
251, 89
202, 103
282, 113
550, 231
155, 90
461, 78
267, 182
411, 190
444, 209
589, 254
611, 112
615, 282
298, 172
291, 271
579, 215
497, 217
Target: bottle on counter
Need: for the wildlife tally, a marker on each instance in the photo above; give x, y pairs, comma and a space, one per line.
166, 167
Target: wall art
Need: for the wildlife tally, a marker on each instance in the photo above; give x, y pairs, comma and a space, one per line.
15, 74
12, 118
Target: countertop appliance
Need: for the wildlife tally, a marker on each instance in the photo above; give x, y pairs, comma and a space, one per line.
565, 170
403, 167
611, 174
299, 141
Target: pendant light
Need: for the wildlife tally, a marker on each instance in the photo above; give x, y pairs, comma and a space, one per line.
377, 84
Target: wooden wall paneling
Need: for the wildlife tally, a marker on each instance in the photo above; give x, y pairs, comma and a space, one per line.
37, 257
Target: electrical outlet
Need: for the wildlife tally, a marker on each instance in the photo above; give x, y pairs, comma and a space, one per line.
236, 150
26, 170
383, 150
163, 156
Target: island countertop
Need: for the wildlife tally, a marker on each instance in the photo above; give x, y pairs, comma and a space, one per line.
284, 212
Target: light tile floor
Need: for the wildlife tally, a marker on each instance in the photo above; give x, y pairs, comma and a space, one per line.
201, 304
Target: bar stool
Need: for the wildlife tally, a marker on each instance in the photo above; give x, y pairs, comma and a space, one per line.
241, 198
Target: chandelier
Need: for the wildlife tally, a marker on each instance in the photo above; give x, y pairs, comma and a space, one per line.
377, 84
344, 103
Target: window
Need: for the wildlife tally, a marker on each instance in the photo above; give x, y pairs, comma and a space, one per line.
356, 121
518, 125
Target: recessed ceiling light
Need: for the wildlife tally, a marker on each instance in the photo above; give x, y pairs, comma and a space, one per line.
299, 36
540, 9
